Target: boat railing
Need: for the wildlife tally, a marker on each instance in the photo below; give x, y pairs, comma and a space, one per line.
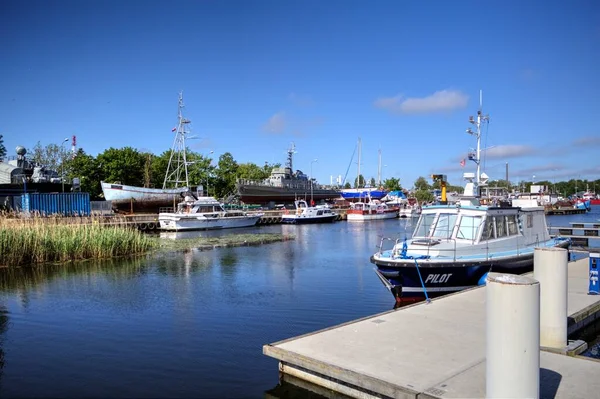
452, 252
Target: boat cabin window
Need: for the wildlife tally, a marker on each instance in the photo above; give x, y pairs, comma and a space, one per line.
468, 228
500, 226
511, 222
319, 213
424, 226
488, 229
445, 225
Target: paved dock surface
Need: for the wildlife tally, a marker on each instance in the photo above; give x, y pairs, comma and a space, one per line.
434, 350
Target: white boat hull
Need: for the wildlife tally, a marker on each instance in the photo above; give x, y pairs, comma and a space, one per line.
122, 192
371, 216
181, 222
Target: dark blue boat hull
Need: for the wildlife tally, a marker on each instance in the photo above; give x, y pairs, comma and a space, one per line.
405, 280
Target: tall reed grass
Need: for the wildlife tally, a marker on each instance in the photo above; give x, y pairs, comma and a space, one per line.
39, 240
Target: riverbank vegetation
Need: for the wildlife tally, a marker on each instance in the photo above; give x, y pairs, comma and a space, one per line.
41, 240
229, 240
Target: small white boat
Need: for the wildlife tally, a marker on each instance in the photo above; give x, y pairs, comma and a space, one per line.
372, 210
305, 214
410, 208
204, 213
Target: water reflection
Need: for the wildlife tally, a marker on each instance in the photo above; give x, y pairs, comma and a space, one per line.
3, 330
303, 390
18, 280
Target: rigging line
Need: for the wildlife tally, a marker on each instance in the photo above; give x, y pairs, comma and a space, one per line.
350, 164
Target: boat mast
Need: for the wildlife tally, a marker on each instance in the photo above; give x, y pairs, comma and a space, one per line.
477, 122
358, 175
177, 169
290, 155
379, 170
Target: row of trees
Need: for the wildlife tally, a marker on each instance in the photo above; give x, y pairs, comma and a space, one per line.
143, 169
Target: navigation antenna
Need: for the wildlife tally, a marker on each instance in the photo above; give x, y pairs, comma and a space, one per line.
477, 133
290, 155
177, 169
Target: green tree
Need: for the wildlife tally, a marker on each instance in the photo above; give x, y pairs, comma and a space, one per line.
424, 196
359, 181
124, 165
85, 167
347, 185
422, 184
372, 182
392, 184
51, 156
225, 176
252, 171
2, 148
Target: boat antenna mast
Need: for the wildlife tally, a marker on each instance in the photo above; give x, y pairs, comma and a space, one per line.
290, 156
177, 169
476, 157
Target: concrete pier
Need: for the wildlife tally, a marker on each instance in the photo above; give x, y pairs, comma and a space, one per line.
432, 351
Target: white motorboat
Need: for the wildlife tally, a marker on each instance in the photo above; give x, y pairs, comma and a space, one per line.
204, 213
304, 214
372, 210
454, 246
410, 208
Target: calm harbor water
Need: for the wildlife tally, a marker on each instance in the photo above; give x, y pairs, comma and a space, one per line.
188, 323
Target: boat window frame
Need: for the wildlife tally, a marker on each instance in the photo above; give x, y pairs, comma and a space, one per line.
489, 227
500, 222
476, 227
514, 225
425, 217
449, 227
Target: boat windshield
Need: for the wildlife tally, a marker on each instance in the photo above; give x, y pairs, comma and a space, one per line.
468, 228
424, 225
444, 225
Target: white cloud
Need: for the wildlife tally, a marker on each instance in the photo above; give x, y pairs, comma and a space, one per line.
440, 101
588, 141
508, 151
276, 123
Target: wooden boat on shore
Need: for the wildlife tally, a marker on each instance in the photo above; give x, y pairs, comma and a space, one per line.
129, 199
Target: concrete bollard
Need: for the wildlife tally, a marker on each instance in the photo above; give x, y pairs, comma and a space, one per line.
550, 269
512, 336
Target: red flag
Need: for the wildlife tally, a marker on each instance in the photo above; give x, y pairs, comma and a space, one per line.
462, 163
173, 129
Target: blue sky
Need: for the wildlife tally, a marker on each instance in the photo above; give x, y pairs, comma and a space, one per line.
257, 75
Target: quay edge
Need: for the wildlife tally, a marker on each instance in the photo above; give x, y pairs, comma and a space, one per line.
434, 350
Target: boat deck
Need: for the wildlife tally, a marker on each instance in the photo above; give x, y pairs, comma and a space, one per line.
495, 255
434, 350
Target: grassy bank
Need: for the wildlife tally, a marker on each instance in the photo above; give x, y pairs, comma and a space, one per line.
38, 240
41, 240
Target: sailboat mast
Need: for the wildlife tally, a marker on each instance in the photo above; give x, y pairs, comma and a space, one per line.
379, 170
358, 175
479, 111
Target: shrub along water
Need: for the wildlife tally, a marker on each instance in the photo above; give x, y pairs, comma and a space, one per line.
39, 240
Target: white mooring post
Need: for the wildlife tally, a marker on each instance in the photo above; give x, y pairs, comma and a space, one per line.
550, 269
513, 336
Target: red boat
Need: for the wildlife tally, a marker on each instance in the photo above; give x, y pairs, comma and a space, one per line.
593, 197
